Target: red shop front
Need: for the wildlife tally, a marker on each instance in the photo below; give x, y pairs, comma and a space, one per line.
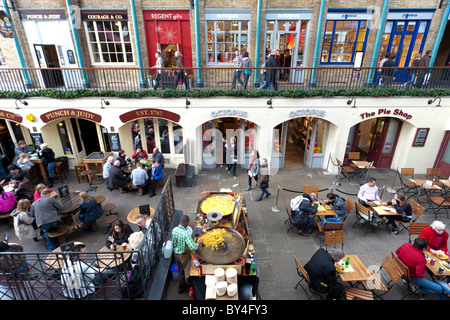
168, 31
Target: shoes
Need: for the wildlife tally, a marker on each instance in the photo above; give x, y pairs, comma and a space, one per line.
151, 195
395, 231
268, 194
221, 165
303, 233
234, 177
259, 199
248, 188
109, 189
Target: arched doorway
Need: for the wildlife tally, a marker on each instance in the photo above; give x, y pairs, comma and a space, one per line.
375, 140
300, 142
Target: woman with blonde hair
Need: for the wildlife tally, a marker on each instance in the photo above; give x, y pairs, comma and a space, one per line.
24, 163
24, 224
90, 210
41, 187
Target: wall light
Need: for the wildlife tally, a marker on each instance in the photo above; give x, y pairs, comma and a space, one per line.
270, 110
22, 102
103, 101
438, 107
354, 109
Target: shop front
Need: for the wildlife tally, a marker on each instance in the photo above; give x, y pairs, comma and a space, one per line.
168, 31
51, 46
301, 141
287, 31
11, 131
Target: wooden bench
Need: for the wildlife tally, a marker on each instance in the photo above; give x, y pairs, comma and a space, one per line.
133, 187
60, 233
180, 175
79, 167
7, 215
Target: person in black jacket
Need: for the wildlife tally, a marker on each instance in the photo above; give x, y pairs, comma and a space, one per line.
301, 207
388, 74
272, 73
118, 234
322, 273
117, 179
49, 159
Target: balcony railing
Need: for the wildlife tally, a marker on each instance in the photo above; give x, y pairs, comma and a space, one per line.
133, 79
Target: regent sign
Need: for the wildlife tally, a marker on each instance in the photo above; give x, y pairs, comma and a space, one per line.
386, 112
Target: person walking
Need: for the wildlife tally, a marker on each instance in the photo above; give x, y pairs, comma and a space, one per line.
253, 169
263, 179
423, 75
412, 72
233, 157
159, 64
246, 65
181, 73
378, 78
237, 72
272, 63
387, 73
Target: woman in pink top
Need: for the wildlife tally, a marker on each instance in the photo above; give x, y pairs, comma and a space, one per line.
7, 201
39, 188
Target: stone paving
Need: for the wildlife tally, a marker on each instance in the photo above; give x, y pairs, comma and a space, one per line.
274, 247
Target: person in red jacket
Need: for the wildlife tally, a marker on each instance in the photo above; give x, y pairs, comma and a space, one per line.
414, 259
139, 154
436, 236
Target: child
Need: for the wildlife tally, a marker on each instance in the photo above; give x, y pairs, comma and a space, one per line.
24, 163
24, 225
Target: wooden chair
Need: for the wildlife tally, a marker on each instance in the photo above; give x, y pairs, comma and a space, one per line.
59, 233
288, 220
357, 294
329, 226
417, 210
407, 187
434, 173
79, 167
438, 203
364, 217
346, 172
60, 172
311, 189
133, 187
334, 237
412, 288
353, 156
304, 276
349, 207
34, 175
415, 228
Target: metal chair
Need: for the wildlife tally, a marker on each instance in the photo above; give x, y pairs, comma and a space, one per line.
311, 189
348, 207
417, 210
415, 228
334, 237
378, 282
357, 294
412, 288
407, 187
288, 220
345, 172
364, 217
304, 276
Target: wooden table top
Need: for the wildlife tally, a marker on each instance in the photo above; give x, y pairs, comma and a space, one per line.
109, 261
362, 164
52, 262
435, 268
71, 203
359, 273
131, 217
423, 182
325, 212
100, 199
95, 157
383, 210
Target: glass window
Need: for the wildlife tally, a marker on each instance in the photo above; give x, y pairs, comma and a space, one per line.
178, 138
109, 42
342, 39
320, 136
64, 137
223, 38
278, 139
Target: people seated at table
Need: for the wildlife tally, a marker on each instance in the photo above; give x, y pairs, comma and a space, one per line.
41, 187
139, 178
24, 189
135, 239
24, 224
156, 173
401, 205
118, 234
7, 201
158, 156
139, 154
337, 203
80, 279
46, 212
13, 264
322, 273
412, 255
13, 169
117, 179
123, 158
106, 167
21, 147
368, 192
90, 210
436, 236
24, 163
301, 207
48, 155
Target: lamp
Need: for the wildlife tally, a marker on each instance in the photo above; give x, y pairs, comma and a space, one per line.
188, 103
104, 102
270, 109
22, 102
354, 109
438, 107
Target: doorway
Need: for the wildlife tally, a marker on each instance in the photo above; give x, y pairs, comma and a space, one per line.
48, 57
375, 140
88, 130
443, 158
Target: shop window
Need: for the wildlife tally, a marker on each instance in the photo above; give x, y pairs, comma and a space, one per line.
320, 136
64, 137
158, 133
223, 38
277, 145
342, 39
150, 134
178, 138
109, 42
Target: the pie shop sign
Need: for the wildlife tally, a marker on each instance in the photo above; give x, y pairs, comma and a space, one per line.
70, 113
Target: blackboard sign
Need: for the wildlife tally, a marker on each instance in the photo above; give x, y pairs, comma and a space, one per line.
114, 141
63, 191
420, 137
37, 139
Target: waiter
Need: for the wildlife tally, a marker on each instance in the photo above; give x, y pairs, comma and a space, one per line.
182, 245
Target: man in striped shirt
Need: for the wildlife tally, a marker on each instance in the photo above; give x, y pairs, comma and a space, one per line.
182, 245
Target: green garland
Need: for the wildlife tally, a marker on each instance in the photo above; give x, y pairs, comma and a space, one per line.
196, 93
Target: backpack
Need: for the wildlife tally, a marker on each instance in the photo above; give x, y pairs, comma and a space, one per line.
133, 286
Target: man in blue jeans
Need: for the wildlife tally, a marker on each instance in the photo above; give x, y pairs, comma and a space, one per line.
412, 255
46, 212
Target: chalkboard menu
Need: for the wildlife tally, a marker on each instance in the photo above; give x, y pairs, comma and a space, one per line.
37, 139
420, 137
114, 141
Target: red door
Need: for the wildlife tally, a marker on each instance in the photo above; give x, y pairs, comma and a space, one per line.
443, 158
384, 142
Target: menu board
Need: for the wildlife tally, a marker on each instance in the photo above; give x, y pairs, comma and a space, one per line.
420, 137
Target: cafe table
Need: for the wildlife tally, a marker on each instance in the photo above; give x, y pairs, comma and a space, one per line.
55, 260
131, 217
113, 258
97, 159
356, 272
425, 187
40, 163
70, 203
324, 211
363, 167
434, 269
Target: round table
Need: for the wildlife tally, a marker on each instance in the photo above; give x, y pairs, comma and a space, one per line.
107, 260
135, 212
54, 262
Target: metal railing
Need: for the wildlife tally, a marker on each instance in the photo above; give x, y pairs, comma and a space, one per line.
134, 79
70, 275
